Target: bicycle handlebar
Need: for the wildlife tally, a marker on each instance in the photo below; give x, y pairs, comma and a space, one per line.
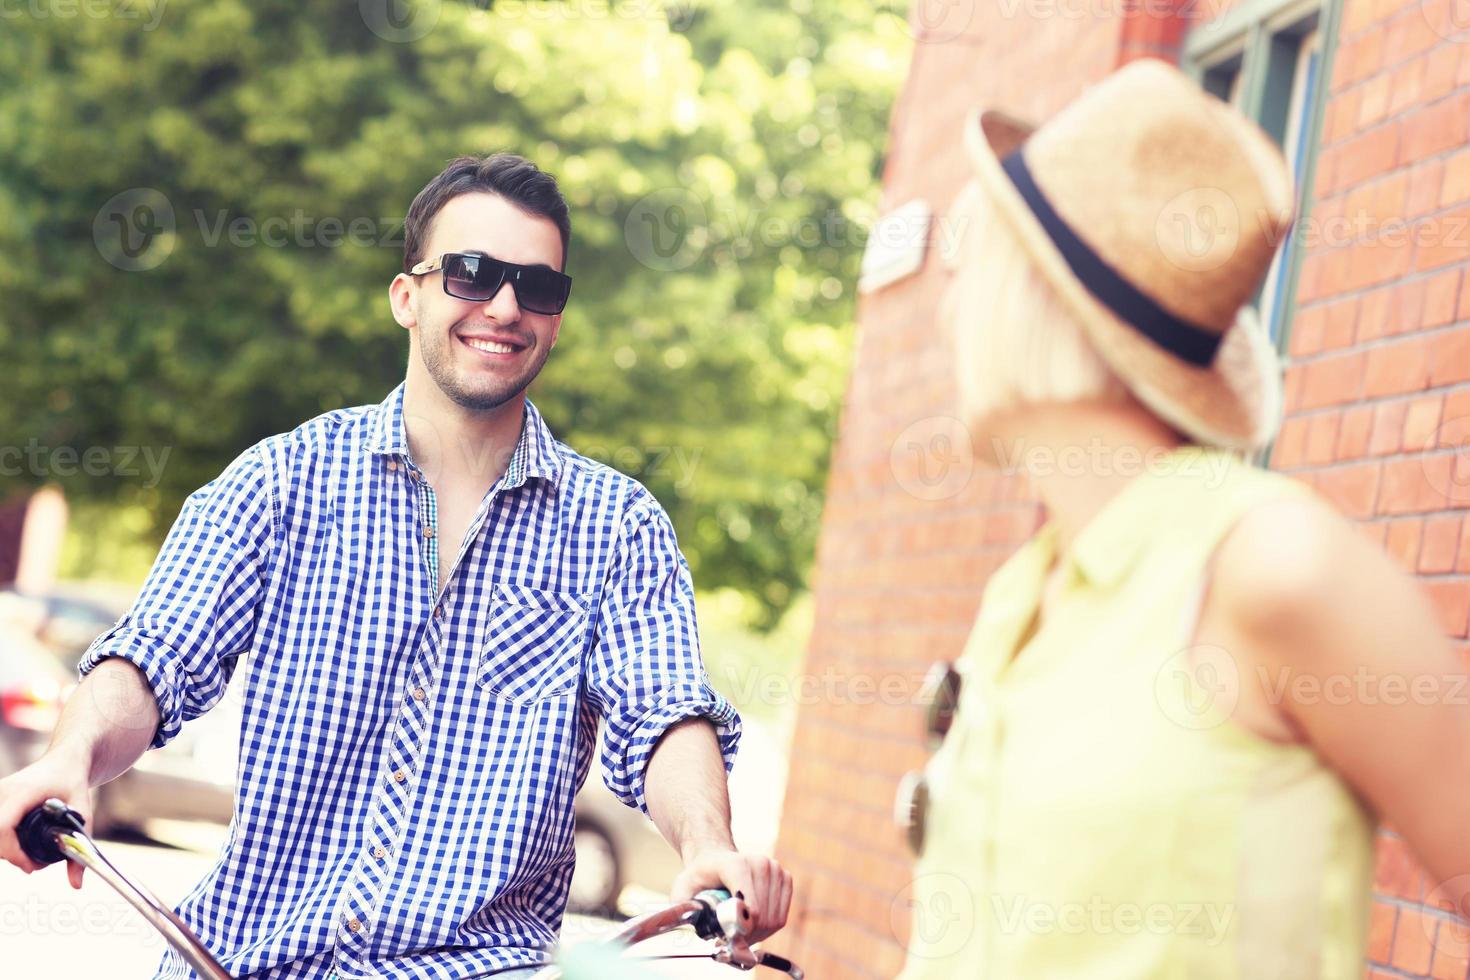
54, 831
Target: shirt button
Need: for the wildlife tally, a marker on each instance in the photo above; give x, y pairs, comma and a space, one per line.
392, 466
439, 612
353, 925
428, 530
418, 694
399, 775
380, 852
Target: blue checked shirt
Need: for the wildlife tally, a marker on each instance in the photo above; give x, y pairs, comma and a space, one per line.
409, 752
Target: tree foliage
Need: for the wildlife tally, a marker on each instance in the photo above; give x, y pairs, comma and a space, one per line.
201, 204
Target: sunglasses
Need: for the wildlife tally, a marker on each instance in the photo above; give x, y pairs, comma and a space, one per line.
479, 277
940, 695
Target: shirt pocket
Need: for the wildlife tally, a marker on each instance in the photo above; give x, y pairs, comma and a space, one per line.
533, 643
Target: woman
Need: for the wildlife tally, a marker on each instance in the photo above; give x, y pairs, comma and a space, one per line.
1184, 704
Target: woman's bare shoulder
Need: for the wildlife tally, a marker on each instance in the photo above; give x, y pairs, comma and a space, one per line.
1291, 565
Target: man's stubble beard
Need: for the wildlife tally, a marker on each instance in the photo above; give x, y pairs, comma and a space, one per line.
439, 361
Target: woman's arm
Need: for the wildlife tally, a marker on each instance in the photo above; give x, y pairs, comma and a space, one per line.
1363, 668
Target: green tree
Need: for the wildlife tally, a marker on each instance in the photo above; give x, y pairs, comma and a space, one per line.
201, 205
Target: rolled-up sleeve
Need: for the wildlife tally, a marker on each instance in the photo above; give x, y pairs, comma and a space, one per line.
645, 671
197, 611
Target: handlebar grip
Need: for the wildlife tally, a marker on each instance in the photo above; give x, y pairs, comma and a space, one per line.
37, 830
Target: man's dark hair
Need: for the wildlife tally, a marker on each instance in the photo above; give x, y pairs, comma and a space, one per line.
514, 178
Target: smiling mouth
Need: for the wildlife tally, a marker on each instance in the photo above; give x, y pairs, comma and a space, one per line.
491, 348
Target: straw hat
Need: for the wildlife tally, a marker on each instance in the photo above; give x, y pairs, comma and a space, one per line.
1154, 211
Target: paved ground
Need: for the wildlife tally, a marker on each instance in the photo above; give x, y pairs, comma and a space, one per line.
48, 930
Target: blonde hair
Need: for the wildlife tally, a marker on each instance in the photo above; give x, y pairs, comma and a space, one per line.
1016, 342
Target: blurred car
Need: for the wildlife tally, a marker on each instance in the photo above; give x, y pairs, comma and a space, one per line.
42, 637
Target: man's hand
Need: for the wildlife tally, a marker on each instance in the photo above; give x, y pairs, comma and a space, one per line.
759, 881
58, 774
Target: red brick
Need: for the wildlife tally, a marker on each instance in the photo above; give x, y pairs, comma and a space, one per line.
1329, 275
1307, 332
1359, 221
1452, 472
1421, 424
1414, 485
1388, 427
1407, 87
1396, 368
1381, 923
1462, 560
1341, 323
1290, 448
1454, 427
1352, 489
1292, 393
1439, 72
1321, 438
1352, 434
1439, 549
1331, 380
1390, 196
1425, 180
1443, 239
1445, 18
1434, 129
1407, 36
1342, 116
1413, 942
1450, 356
1451, 960
1325, 181
1388, 258
1373, 314
1456, 185
1374, 105
1355, 17
1441, 295
1403, 542
1365, 54
1451, 601
1366, 155
1407, 312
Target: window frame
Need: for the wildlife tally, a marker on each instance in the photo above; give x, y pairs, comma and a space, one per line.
1247, 32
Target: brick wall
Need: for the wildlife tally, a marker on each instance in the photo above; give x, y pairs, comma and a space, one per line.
1378, 403
1378, 408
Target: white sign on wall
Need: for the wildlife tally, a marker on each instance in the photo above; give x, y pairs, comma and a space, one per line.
896, 246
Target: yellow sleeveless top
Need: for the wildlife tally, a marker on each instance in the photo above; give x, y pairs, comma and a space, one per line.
1095, 812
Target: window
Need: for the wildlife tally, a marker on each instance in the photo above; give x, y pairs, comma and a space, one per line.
1267, 58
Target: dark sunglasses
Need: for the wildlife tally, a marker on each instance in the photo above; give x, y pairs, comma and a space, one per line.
479, 277
940, 695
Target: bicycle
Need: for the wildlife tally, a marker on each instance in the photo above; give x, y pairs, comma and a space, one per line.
54, 832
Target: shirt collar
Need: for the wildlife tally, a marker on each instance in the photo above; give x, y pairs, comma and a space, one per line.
1111, 542
535, 453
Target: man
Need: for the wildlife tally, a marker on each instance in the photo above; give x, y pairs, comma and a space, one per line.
431, 603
